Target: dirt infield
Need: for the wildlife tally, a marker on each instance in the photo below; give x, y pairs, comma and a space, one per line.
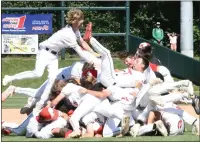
13, 115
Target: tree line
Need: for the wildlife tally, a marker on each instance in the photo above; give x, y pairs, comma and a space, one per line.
143, 16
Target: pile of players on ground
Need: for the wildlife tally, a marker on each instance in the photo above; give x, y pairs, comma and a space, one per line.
92, 99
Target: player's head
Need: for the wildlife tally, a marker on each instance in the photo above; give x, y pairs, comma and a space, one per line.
87, 66
146, 49
88, 81
141, 63
57, 87
158, 24
75, 17
47, 114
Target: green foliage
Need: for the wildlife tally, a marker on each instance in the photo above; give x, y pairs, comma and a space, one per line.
143, 16
196, 29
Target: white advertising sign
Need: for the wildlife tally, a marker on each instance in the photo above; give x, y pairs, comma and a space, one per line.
19, 44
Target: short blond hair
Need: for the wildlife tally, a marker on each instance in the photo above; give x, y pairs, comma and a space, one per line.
73, 15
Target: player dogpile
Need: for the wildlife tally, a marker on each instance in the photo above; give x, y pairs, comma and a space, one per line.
92, 99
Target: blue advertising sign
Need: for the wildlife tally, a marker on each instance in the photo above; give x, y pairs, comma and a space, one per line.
26, 23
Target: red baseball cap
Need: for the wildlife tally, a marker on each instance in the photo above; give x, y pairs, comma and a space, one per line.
91, 72
48, 113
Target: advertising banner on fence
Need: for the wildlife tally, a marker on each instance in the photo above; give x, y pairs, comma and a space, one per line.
19, 44
26, 23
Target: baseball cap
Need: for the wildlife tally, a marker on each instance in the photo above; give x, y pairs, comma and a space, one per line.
91, 72
48, 113
144, 44
157, 23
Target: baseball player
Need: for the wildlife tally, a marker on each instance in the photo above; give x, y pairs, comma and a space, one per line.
173, 123
168, 108
73, 71
94, 123
48, 53
43, 125
107, 76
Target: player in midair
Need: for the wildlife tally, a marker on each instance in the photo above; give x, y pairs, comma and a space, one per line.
67, 37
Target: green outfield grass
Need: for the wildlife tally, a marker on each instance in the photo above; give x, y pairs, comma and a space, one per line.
12, 66
186, 137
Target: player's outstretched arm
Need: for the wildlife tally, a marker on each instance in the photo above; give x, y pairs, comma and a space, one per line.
103, 94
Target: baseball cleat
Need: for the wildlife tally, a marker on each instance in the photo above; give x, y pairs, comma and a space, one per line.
196, 104
28, 108
157, 100
6, 131
134, 130
161, 128
74, 134
8, 92
88, 32
125, 125
7, 79
195, 128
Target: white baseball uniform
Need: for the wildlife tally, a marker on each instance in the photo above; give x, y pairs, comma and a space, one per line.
97, 120
108, 76
80, 101
44, 130
173, 123
56, 42
166, 73
48, 57
168, 107
75, 71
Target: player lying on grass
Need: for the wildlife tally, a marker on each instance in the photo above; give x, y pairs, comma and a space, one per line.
46, 123
154, 104
64, 106
173, 124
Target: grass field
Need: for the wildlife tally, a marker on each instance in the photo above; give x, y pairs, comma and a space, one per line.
11, 66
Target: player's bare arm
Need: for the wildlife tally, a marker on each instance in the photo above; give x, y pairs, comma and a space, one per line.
89, 131
97, 94
57, 100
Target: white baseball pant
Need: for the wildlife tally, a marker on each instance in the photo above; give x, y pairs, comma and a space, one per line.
168, 107
86, 106
174, 97
166, 74
166, 87
43, 59
88, 57
112, 127
26, 91
173, 123
44, 130
107, 76
92, 117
